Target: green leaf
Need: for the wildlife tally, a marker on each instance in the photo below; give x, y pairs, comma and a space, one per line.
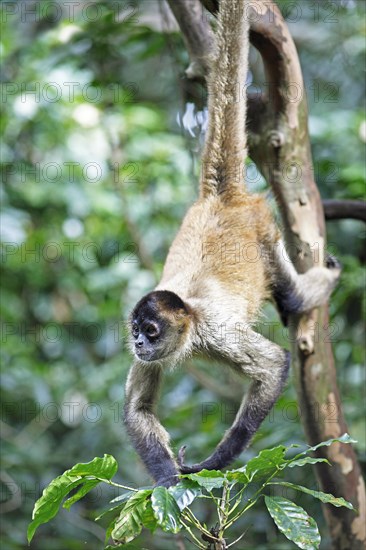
86, 487
294, 522
49, 503
345, 438
264, 465
104, 468
306, 460
121, 499
129, 523
209, 479
124, 497
324, 497
185, 492
109, 530
110, 512
166, 510
148, 518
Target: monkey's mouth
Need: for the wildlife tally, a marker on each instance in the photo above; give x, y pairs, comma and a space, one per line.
144, 355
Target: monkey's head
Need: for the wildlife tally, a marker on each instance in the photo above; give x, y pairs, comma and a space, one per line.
159, 325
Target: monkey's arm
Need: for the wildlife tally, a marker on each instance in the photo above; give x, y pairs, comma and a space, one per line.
268, 365
149, 438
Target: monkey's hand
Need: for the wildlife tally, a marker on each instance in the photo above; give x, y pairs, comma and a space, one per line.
184, 469
333, 263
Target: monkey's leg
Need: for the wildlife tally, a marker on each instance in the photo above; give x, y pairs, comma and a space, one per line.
268, 365
149, 438
294, 292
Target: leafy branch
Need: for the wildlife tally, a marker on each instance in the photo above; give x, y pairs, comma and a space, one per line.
169, 509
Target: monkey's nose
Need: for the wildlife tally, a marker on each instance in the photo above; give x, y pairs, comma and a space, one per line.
139, 343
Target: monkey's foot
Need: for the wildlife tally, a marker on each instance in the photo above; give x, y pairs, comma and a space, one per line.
167, 481
184, 468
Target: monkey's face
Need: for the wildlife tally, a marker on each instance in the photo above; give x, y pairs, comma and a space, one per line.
157, 326
148, 337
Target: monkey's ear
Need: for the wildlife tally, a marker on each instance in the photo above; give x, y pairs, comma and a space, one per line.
182, 316
179, 320
181, 313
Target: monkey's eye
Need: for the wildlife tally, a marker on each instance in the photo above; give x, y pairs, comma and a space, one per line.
152, 331
135, 330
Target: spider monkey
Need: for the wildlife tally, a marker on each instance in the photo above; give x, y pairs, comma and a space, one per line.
209, 298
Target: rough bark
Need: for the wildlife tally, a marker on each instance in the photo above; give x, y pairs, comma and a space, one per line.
279, 144
197, 35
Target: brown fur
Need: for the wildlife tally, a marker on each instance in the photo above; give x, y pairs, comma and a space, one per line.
215, 243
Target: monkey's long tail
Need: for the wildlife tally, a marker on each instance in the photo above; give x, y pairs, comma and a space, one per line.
225, 146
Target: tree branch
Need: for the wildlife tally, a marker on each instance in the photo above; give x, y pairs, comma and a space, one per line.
197, 35
343, 209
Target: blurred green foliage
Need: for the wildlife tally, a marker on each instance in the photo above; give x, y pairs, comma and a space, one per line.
96, 176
